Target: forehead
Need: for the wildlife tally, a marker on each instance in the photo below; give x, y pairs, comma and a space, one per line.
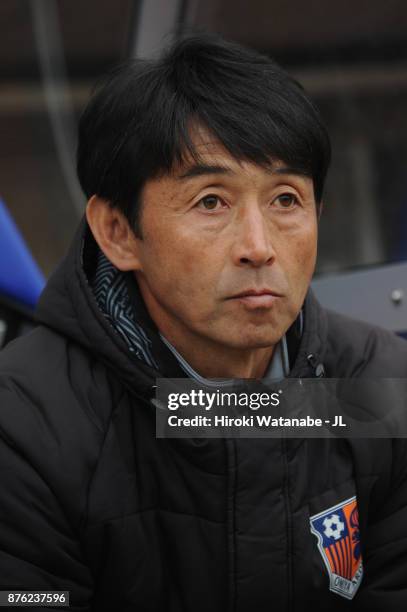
207, 155
204, 147
204, 143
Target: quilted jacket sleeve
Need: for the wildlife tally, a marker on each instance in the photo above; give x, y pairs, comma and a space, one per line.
385, 556
38, 546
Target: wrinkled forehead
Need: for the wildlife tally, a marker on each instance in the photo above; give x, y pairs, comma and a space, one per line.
204, 153
204, 149
201, 146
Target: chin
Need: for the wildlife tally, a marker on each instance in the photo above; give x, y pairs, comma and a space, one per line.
256, 340
264, 335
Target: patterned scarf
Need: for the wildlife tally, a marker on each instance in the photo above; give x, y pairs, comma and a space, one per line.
110, 290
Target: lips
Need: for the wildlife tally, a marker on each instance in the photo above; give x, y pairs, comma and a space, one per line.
256, 293
257, 298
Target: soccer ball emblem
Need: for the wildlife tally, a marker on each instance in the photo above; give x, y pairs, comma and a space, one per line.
333, 527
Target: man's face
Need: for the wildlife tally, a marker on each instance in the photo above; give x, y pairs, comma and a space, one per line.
228, 250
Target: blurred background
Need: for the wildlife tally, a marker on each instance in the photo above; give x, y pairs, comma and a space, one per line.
351, 56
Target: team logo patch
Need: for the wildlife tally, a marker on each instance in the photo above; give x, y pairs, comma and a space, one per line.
337, 530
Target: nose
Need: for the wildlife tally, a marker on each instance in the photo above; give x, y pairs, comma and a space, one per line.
253, 242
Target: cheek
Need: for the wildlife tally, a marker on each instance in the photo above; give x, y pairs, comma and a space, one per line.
180, 250
306, 251
178, 266
301, 253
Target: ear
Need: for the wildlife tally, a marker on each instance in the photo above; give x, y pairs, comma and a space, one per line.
113, 234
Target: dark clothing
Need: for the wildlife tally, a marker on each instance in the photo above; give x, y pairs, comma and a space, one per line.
93, 503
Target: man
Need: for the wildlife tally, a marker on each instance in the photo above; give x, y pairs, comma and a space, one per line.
204, 173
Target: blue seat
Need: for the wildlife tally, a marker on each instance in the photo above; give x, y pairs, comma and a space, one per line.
20, 278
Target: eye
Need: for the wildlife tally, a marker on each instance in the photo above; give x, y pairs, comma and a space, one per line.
210, 202
286, 201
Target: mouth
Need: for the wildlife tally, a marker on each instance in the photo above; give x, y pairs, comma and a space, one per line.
257, 298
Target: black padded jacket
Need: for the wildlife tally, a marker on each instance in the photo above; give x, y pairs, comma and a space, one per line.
91, 502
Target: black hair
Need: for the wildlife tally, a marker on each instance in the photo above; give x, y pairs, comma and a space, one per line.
137, 124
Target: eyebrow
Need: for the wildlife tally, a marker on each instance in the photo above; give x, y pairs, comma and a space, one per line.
205, 169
